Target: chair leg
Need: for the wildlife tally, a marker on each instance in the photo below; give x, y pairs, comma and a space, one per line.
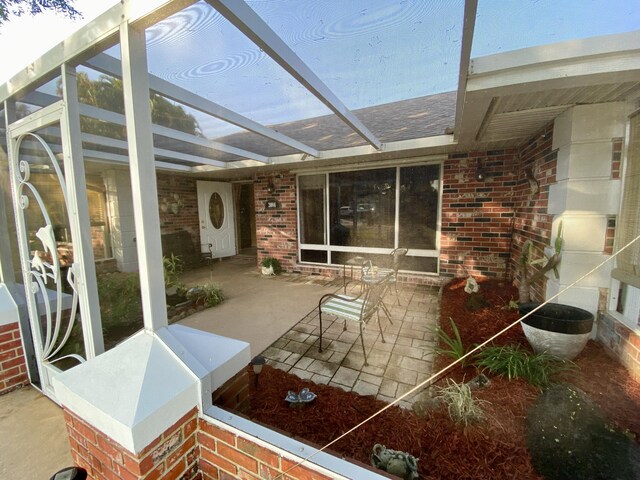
320, 349
364, 352
380, 326
386, 312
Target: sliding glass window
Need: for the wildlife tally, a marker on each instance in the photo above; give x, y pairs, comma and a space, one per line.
369, 213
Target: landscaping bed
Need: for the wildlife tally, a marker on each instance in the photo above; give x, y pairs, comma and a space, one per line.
491, 448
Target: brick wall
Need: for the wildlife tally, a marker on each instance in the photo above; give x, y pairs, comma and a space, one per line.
13, 369
277, 234
187, 218
621, 343
234, 394
532, 222
226, 456
174, 455
477, 214
191, 449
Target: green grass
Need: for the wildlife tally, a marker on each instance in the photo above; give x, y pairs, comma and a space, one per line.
454, 347
512, 361
462, 406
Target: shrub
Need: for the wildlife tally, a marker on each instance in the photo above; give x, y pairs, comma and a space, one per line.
453, 344
462, 406
511, 361
209, 294
272, 262
172, 267
119, 295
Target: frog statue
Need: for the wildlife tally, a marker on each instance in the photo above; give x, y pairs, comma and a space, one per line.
395, 462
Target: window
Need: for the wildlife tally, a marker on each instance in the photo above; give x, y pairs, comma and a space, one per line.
625, 288
369, 213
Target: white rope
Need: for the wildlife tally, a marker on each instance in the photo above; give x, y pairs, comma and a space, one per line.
427, 382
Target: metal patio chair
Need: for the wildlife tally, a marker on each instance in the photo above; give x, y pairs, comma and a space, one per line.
357, 309
396, 257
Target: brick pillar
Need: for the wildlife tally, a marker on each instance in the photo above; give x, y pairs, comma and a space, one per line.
173, 455
13, 369
277, 234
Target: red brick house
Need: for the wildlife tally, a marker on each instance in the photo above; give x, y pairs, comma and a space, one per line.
532, 139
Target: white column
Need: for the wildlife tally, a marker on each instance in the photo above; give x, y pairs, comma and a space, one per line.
583, 197
79, 220
143, 175
6, 257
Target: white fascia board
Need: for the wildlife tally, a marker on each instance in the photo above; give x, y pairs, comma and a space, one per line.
424, 143
584, 71
469, 24
254, 28
98, 35
111, 66
557, 52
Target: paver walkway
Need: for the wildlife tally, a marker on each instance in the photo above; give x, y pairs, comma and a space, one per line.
405, 360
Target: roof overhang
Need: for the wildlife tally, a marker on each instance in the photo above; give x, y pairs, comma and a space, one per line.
510, 96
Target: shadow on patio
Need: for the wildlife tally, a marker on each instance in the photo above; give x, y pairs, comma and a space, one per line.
278, 316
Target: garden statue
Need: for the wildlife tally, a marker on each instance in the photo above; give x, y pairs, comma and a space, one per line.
305, 396
549, 261
395, 462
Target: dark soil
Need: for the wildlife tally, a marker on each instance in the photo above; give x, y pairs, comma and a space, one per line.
493, 449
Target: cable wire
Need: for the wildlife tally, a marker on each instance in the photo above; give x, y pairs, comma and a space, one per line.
428, 382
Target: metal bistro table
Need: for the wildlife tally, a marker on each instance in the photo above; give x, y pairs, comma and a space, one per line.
352, 262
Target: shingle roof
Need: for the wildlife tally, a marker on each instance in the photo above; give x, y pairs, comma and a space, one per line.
403, 120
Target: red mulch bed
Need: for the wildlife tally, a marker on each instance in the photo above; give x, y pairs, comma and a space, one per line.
493, 449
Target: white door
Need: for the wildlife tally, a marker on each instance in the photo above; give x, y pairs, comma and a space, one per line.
217, 222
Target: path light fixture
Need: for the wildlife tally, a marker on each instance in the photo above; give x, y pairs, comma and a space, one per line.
257, 363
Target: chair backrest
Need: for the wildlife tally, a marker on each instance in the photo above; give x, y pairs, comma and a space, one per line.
396, 256
374, 295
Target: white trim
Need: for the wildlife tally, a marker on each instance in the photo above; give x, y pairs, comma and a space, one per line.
603, 45
79, 221
256, 29
631, 307
287, 447
350, 167
143, 176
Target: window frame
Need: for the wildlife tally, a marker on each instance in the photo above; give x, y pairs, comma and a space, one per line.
330, 249
630, 315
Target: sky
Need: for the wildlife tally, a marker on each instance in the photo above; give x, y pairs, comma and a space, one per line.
367, 51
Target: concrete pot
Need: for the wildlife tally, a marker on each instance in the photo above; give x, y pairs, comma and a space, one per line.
561, 330
268, 270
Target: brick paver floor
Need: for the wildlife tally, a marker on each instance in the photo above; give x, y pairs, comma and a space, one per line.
394, 367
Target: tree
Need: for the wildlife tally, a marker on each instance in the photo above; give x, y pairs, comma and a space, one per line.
106, 92
34, 7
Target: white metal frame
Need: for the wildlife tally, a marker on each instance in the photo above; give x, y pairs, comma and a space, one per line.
36, 272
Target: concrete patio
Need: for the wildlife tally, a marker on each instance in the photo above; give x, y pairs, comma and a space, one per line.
394, 367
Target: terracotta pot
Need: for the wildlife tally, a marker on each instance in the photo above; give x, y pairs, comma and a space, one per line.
561, 330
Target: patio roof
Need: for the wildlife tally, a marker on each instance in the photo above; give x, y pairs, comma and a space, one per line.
501, 99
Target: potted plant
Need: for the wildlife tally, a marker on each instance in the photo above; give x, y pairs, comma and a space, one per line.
270, 266
560, 330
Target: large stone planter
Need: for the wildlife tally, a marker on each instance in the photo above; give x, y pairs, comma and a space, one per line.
561, 330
